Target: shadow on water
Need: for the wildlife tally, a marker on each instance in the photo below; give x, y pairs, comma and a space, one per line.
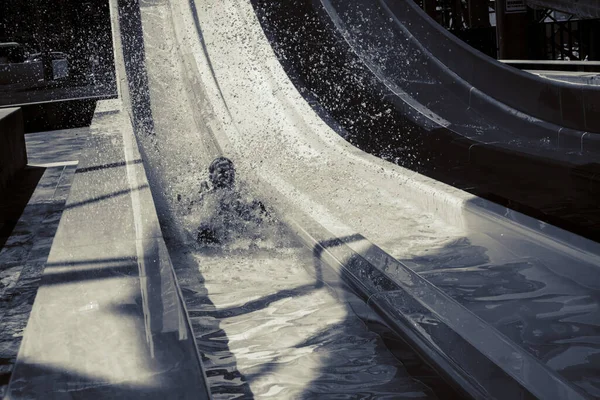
107, 166
357, 355
211, 341
413, 379
257, 304
286, 330
104, 197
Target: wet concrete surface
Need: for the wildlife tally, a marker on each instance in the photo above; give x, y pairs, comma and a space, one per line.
30, 212
25, 250
102, 313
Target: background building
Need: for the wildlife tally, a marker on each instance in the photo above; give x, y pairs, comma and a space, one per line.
521, 29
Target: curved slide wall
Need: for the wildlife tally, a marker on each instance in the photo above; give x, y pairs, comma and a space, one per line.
396, 31
389, 96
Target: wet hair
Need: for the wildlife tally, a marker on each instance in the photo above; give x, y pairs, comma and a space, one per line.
218, 161
226, 175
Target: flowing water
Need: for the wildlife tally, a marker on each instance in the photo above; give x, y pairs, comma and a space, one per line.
267, 328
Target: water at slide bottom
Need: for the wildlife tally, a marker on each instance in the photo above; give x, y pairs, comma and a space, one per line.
267, 329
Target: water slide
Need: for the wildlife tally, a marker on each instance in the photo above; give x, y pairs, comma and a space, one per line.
371, 269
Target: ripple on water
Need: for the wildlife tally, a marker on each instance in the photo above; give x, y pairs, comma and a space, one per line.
268, 331
552, 317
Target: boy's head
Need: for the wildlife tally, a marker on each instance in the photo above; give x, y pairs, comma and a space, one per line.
222, 173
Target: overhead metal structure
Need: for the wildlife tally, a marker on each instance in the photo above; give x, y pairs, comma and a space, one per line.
580, 8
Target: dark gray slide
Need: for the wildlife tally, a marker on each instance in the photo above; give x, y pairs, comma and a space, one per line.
472, 93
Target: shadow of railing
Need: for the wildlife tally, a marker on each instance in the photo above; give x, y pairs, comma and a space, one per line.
349, 290
104, 197
161, 368
107, 166
359, 336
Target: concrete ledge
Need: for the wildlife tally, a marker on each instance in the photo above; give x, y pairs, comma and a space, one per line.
108, 320
13, 153
24, 254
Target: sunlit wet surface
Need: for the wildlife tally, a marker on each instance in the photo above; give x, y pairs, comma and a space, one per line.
551, 316
554, 318
267, 329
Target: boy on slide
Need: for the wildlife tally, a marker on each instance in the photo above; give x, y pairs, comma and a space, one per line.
225, 210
